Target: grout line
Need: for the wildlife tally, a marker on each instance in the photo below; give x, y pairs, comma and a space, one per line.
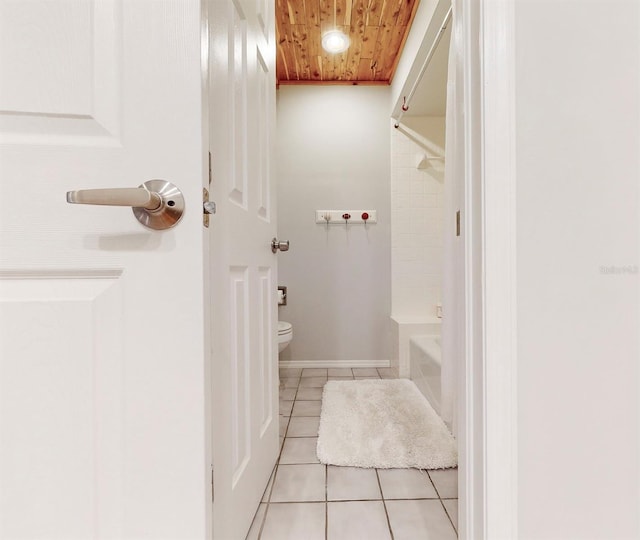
447, 513
384, 504
266, 503
350, 500
276, 503
423, 471
326, 502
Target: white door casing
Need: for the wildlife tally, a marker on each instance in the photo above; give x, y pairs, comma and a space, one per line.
102, 401
243, 285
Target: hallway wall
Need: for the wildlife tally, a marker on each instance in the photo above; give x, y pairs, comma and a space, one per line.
333, 153
578, 134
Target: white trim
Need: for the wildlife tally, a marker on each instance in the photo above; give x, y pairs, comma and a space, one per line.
334, 363
488, 391
498, 179
472, 504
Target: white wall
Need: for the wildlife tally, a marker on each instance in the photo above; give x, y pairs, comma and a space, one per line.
420, 38
333, 153
578, 105
416, 219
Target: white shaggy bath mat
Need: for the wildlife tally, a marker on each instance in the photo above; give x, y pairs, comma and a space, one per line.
384, 424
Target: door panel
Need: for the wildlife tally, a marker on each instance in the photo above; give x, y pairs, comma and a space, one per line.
265, 349
263, 148
238, 125
61, 399
61, 71
240, 409
101, 320
243, 286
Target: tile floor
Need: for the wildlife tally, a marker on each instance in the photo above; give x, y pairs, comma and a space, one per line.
306, 500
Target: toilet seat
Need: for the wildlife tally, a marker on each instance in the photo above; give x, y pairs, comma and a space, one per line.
284, 328
285, 335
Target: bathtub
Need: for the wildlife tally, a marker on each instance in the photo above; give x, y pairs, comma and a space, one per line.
425, 355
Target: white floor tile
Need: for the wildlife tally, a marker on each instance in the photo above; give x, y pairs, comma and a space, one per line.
406, 484
298, 483
289, 382
426, 520
340, 372
314, 372
361, 378
388, 373
303, 426
285, 408
288, 394
357, 521
306, 408
309, 394
365, 372
351, 483
284, 422
446, 482
312, 382
334, 378
254, 531
267, 491
302, 450
294, 521
452, 509
290, 372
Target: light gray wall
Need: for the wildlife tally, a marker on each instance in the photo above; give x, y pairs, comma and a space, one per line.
578, 135
333, 146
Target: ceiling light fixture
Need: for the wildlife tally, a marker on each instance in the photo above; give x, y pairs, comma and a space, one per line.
335, 41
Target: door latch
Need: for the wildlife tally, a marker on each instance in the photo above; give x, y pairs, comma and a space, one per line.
208, 207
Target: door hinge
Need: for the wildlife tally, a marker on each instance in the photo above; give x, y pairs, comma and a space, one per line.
210, 173
458, 223
212, 491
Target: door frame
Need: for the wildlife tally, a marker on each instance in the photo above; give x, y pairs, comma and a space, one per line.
488, 408
489, 466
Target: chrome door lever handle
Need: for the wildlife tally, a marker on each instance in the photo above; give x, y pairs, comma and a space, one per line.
135, 197
282, 246
156, 204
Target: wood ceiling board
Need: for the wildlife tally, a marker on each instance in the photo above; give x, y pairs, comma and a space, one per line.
377, 29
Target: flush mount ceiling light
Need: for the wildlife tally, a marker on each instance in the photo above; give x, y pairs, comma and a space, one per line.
335, 41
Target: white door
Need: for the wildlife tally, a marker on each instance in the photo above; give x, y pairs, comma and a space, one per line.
102, 394
244, 286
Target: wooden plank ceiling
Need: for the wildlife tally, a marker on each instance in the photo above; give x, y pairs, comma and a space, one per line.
377, 29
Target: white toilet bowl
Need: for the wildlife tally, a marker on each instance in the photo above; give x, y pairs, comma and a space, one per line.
285, 333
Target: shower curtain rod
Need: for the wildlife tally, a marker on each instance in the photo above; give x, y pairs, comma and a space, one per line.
432, 50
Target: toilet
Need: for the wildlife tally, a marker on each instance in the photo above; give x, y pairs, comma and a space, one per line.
285, 333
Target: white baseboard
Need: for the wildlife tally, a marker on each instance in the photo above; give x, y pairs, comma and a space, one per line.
334, 363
